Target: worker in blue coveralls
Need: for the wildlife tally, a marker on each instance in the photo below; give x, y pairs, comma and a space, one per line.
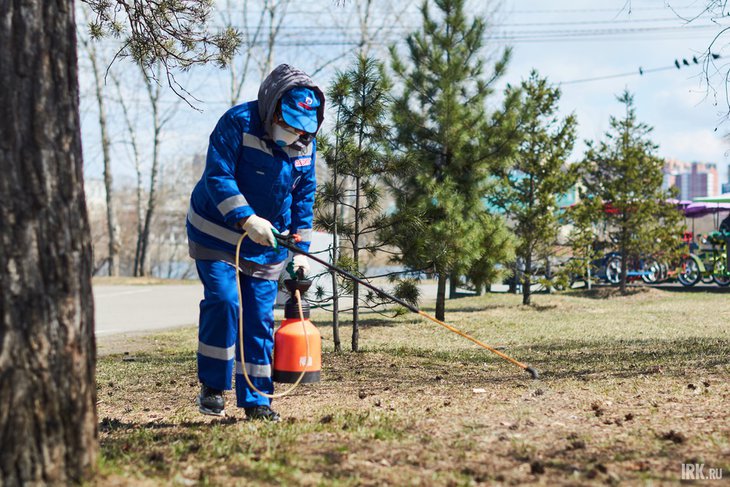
259, 179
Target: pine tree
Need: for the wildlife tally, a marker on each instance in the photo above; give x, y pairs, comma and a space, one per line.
357, 160
453, 145
537, 176
582, 238
623, 171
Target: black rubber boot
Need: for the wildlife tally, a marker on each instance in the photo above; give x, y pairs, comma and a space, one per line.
264, 413
211, 402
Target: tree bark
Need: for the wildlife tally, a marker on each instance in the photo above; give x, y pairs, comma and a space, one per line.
335, 250
624, 271
624, 251
452, 286
356, 258
549, 275
335, 290
527, 280
441, 297
513, 280
47, 355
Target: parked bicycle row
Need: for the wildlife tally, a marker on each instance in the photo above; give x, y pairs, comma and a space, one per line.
705, 260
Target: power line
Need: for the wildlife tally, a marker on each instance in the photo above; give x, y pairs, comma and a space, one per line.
354, 28
614, 10
515, 37
641, 71
524, 36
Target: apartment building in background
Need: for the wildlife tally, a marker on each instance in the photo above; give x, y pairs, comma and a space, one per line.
692, 179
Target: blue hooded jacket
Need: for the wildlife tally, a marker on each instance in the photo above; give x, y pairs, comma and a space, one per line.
246, 173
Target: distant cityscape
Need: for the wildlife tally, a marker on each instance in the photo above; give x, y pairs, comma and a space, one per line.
694, 179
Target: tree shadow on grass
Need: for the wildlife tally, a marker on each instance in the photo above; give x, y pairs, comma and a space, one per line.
470, 308
588, 359
630, 358
489, 307
710, 289
608, 292
376, 322
108, 424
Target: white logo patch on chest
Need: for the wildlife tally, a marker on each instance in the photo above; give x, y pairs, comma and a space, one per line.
303, 161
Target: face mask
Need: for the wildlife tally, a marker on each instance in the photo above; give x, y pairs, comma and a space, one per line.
282, 137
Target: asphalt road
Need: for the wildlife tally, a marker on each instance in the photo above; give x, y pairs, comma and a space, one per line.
120, 309
143, 308
130, 309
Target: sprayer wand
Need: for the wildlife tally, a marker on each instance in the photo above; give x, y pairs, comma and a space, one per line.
287, 242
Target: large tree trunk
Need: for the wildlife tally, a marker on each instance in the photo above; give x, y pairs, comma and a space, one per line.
47, 396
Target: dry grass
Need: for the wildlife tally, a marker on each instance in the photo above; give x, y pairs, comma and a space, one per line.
632, 388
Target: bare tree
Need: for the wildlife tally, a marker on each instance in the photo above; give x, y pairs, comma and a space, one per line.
168, 34
275, 15
159, 119
239, 68
260, 24
114, 244
131, 131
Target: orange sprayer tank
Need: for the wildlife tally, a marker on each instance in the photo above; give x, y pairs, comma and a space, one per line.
290, 342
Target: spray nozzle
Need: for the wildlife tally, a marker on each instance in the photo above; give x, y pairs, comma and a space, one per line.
297, 275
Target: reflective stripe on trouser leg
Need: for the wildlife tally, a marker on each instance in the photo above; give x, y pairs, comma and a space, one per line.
218, 326
258, 341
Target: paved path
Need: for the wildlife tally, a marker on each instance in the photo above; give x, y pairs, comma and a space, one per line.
142, 308
127, 309
123, 309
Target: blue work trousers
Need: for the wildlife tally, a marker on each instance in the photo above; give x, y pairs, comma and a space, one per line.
218, 331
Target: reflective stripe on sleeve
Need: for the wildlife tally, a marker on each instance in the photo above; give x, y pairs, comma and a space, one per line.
232, 203
219, 353
254, 370
212, 229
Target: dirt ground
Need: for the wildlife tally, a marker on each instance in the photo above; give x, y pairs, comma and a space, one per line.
632, 388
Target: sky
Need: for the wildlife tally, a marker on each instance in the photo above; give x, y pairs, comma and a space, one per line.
587, 40
569, 42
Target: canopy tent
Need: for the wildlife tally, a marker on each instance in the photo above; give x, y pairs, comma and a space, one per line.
708, 205
696, 210
723, 198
